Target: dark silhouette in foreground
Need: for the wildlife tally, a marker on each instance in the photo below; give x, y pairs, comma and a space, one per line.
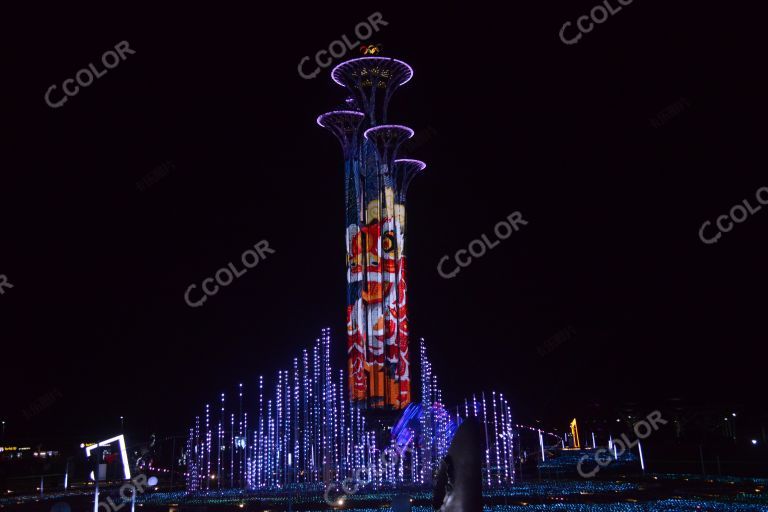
458, 481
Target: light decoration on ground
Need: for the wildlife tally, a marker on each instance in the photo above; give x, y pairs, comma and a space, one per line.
547, 494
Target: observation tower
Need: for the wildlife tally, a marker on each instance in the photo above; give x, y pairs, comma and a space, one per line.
376, 182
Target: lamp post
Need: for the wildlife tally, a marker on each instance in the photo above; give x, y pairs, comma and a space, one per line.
95, 460
66, 473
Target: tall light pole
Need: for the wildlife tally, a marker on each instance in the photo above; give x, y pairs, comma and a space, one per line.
95, 461
66, 473
121, 424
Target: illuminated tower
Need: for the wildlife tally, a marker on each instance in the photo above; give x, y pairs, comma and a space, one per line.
376, 182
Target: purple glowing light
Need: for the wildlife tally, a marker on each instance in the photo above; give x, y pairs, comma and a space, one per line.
410, 161
337, 112
389, 127
282, 450
335, 70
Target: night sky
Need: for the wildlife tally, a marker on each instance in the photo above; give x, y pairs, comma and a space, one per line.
519, 121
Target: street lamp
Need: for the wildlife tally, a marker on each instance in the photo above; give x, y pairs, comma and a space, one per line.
121, 424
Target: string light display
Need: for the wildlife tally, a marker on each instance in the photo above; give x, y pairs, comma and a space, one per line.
309, 433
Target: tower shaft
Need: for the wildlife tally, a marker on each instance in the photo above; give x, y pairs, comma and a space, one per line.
378, 361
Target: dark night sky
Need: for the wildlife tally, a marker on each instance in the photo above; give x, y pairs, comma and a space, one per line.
522, 122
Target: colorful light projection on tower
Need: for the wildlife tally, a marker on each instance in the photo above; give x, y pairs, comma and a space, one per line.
376, 183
